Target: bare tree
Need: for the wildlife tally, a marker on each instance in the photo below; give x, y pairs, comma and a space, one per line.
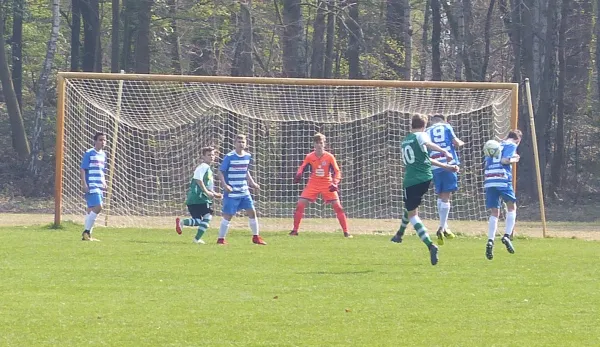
243, 64
329, 55
173, 37
17, 49
20, 143
294, 55
436, 37
114, 49
42, 88
318, 41
75, 34
400, 32
90, 11
354, 39
142, 43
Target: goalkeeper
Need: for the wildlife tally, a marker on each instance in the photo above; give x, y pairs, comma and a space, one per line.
322, 165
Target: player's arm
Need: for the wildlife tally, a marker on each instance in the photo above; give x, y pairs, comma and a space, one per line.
223, 168
85, 165
453, 168
455, 140
251, 182
300, 171
509, 154
432, 146
199, 177
337, 175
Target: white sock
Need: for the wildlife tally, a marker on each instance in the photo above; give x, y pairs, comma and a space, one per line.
223, 228
492, 226
253, 223
511, 219
90, 220
444, 212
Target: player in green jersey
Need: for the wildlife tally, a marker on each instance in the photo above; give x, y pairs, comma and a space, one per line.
199, 197
417, 178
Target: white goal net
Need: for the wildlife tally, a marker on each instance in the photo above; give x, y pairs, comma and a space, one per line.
156, 129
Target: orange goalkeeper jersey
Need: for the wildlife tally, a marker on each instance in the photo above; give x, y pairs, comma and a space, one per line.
324, 169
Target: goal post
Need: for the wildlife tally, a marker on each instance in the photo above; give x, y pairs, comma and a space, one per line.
161, 121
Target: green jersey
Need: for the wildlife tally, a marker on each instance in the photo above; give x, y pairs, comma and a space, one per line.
417, 166
196, 195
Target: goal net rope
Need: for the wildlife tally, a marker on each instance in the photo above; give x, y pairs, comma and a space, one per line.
156, 129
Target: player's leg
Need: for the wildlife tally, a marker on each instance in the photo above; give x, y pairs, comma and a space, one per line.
438, 184
193, 221
414, 197
448, 185
309, 194
333, 198
511, 218
203, 222
94, 204
247, 204
230, 208
403, 224
492, 202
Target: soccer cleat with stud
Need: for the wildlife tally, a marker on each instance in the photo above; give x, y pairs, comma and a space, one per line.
440, 236
397, 238
449, 234
293, 233
86, 236
221, 242
433, 254
256, 239
200, 242
509, 246
178, 226
489, 250
347, 235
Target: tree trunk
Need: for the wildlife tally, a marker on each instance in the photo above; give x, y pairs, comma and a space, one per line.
354, 40
20, 143
174, 38
292, 40
42, 88
597, 29
142, 43
559, 142
400, 33
75, 34
329, 55
243, 64
486, 35
424, 42
318, 41
114, 49
17, 50
91, 34
460, 40
130, 18
436, 66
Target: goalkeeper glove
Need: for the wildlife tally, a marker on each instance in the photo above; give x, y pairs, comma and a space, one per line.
297, 178
333, 188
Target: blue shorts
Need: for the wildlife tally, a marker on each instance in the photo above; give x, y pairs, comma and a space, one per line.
494, 194
445, 181
93, 199
233, 205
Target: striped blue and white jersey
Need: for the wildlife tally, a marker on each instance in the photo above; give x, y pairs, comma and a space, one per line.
94, 164
497, 174
235, 169
442, 135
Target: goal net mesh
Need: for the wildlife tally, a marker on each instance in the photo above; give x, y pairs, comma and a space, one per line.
160, 126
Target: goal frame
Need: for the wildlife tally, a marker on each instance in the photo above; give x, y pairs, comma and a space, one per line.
64, 76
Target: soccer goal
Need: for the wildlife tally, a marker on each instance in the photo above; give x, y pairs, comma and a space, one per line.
156, 125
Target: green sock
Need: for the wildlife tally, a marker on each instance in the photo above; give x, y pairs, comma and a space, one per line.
191, 222
403, 224
203, 225
421, 230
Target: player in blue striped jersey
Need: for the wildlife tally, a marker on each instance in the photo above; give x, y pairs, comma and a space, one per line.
236, 178
445, 182
92, 170
498, 186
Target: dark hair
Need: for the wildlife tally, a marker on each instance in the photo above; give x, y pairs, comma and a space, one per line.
98, 134
515, 134
439, 116
208, 149
418, 121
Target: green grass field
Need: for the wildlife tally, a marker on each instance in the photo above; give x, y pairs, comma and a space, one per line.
150, 287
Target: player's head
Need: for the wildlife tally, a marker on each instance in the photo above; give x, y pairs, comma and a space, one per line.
319, 141
208, 154
515, 135
99, 140
418, 122
437, 118
240, 142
